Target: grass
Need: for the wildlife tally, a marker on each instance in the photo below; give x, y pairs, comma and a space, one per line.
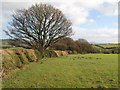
72, 71
94, 46
108, 45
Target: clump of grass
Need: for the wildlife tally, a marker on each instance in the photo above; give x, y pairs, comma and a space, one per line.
18, 61
28, 57
7, 64
12, 62
13, 59
52, 53
21, 58
38, 55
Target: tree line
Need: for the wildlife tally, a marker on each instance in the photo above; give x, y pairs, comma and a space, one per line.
78, 46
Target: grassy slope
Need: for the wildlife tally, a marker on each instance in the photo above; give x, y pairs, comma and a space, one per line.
69, 71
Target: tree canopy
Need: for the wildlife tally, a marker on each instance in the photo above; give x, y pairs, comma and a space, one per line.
39, 26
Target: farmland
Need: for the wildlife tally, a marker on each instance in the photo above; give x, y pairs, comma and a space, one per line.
94, 46
72, 71
106, 46
44, 45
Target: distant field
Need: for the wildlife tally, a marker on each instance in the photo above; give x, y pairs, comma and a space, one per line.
4, 44
72, 71
96, 46
108, 45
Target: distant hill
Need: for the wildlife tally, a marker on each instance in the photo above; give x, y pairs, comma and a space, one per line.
82, 41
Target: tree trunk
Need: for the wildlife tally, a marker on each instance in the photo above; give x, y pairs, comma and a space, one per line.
42, 51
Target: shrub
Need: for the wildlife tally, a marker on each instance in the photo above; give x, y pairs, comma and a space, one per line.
60, 53
106, 51
70, 43
74, 52
52, 54
59, 46
81, 46
84, 46
95, 50
115, 51
69, 52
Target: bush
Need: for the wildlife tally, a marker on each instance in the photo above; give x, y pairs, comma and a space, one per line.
95, 50
70, 43
115, 51
74, 52
80, 46
84, 47
50, 53
59, 46
61, 53
106, 51
69, 52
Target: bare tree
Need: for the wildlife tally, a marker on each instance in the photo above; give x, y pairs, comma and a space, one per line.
39, 26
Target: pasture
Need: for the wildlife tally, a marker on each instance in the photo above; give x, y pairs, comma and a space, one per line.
72, 71
94, 46
108, 45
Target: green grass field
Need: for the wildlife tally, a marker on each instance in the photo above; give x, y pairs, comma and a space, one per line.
72, 71
94, 46
108, 45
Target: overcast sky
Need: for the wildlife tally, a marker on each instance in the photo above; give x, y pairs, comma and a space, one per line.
93, 20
